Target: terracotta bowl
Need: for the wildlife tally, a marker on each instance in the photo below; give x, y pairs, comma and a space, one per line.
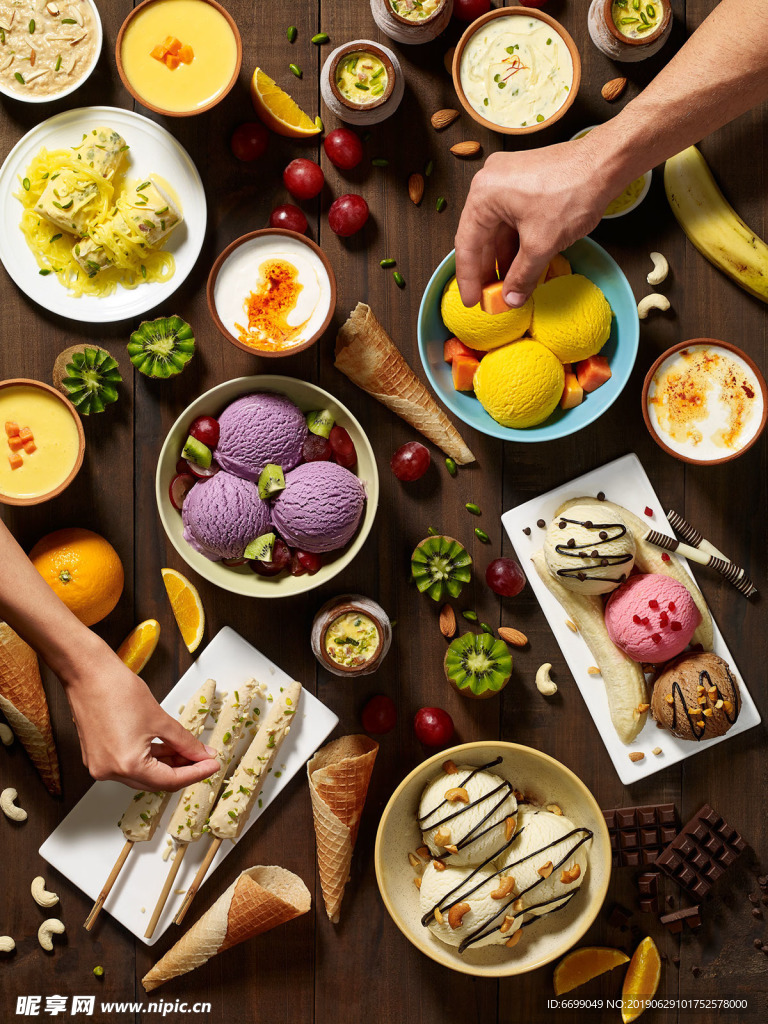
714, 343
217, 268
642, 40
8, 499
382, 55
178, 113
528, 12
542, 779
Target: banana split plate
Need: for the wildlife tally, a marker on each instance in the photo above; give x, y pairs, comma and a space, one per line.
625, 483
86, 844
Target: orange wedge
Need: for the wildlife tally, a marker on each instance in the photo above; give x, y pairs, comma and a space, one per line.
186, 606
278, 111
641, 980
582, 965
139, 646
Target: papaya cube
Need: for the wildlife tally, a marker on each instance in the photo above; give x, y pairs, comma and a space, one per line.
11, 428
172, 61
593, 373
573, 393
30, 447
186, 54
492, 300
16, 461
172, 45
159, 53
558, 267
25, 434
14, 443
463, 370
453, 347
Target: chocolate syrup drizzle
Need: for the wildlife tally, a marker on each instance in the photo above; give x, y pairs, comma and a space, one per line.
488, 926
592, 549
677, 694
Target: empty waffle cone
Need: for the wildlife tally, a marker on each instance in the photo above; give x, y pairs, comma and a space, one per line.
367, 355
261, 898
23, 702
339, 774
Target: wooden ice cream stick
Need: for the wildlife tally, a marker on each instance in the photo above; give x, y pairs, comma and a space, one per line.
163, 897
213, 849
692, 536
96, 909
731, 572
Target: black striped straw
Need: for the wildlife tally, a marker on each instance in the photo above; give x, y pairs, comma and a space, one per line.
728, 570
692, 536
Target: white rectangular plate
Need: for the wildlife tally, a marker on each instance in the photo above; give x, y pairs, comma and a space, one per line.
626, 483
86, 844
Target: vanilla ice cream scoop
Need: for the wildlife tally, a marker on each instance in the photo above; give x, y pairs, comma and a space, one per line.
463, 814
589, 549
467, 912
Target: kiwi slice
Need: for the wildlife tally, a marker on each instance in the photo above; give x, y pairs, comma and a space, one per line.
197, 452
441, 565
261, 548
478, 665
271, 481
320, 422
88, 376
162, 348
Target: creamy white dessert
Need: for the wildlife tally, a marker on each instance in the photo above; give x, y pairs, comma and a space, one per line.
589, 549
453, 887
516, 71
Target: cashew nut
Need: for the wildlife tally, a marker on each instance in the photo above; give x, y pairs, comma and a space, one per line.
653, 301
40, 894
46, 931
6, 735
660, 269
7, 945
9, 808
458, 794
544, 683
456, 914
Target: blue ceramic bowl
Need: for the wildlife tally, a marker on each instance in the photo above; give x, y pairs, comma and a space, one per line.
587, 258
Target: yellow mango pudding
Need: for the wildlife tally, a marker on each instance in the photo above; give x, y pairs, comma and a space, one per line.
351, 635
362, 78
179, 57
637, 18
41, 442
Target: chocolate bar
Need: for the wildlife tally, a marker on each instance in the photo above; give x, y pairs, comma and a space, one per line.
674, 922
706, 846
639, 834
648, 887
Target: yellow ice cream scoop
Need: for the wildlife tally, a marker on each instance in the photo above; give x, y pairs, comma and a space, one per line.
479, 330
520, 384
571, 316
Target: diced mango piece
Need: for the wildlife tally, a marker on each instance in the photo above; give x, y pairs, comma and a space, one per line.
558, 267
16, 461
172, 45
11, 428
30, 447
453, 347
593, 372
25, 434
463, 370
491, 299
573, 393
14, 443
186, 54
172, 61
159, 53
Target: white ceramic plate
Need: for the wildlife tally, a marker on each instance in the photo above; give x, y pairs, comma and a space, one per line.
625, 482
86, 844
152, 150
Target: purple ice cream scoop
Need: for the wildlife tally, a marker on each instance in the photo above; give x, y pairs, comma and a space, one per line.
222, 515
320, 508
258, 429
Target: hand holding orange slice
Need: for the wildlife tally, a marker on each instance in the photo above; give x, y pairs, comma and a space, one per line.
582, 965
278, 110
186, 606
139, 646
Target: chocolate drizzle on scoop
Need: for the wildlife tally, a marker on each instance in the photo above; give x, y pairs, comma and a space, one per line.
606, 533
694, 721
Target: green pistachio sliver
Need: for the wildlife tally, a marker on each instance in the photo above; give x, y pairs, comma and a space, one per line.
320, 38
2, 36
232, 814
27, 184
143, 185
441, 204
292, 33
486, 628
377, 74
44, 273
296, 70
380, 161
98, 971
650, 10
54, 238
628, 21
482, 535
68, 21
226, 737
431, 531
399, 279
539, 118
377, 91
31, 26
429, 166
19, 77
469, 615
388, 263
451, 466
362, 87
473, 508
58, 63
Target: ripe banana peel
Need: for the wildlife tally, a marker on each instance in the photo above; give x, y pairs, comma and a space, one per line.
712, 224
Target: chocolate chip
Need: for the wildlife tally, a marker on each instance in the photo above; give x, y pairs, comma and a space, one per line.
581, 576
595, 554
540, 523
603, 561
527, 531
603, 535
562, 524
601, 495
695, 971
571, 542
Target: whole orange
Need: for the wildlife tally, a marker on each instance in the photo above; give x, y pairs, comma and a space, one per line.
83, 569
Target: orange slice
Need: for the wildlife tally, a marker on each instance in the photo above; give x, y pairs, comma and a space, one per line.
186, 606
139, 646
277, 110
582, 965
641, 980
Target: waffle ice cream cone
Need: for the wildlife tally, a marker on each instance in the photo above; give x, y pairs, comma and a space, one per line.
339, 774
261, 898
367, 355
23, 702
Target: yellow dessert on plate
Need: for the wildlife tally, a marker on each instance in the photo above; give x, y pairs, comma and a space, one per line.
40, 442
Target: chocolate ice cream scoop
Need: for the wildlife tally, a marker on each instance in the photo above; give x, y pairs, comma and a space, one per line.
696, 697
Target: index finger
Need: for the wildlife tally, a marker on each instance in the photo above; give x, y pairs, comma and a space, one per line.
160, 776
475, 249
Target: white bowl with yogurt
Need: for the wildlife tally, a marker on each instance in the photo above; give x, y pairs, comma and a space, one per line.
272, 292
516, 70
705, 401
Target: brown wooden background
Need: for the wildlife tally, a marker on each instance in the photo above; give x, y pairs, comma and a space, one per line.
364, 969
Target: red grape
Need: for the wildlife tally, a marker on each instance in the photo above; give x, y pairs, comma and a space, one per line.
310, 562
379, 715
504, 576
289, 217
410, 462
297, 569
199, 471
303, 178
343, 148
433, 727
316, 449
249, 141
347, 214
179, 488
468, 10
281, 560
343, 447
206, 430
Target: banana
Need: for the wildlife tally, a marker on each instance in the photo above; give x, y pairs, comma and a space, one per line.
711, 223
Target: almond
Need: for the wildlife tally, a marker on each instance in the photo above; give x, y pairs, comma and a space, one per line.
466, 149
416, 188
613, 89
442, 118
447, 621
636, 755
513, 636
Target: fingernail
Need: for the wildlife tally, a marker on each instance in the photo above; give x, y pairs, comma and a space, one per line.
211, 751
515, 299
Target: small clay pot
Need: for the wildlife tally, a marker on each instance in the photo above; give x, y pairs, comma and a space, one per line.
331, 611
411, 33
368, 113
614, 44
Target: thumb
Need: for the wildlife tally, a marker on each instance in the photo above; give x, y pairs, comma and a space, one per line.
523, 275
183, 742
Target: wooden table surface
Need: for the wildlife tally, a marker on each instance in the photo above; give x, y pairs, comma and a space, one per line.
363, 968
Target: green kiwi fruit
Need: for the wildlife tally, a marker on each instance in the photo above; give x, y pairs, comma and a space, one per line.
271, 481
478, 665
261, 548
163, 347
440, 566
88, 376
320, 422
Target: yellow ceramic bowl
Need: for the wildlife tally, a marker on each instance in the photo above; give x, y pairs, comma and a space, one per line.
543, 780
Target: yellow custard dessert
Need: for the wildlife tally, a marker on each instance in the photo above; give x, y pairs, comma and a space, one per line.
361, 78
198, 72
39, 441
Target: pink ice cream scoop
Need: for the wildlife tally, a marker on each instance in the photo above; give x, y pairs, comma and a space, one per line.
259, 429
222, 515
651, 617
320, 508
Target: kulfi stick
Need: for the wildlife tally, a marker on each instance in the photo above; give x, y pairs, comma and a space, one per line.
243, 789
142, 816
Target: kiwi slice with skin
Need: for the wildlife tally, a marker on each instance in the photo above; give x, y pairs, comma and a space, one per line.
440, 565
161, 348
261, 548
271, 481
478, 665
88, 376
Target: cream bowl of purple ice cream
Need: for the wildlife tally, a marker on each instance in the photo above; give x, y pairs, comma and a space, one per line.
324, 507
